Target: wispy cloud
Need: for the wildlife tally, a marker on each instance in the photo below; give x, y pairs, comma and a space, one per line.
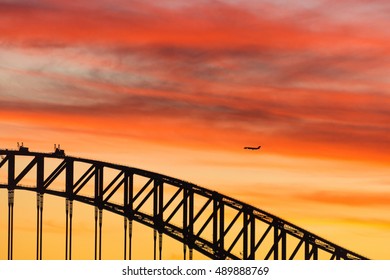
304, 80
356, 199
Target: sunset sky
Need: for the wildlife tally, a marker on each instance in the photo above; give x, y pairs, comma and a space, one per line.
180, 87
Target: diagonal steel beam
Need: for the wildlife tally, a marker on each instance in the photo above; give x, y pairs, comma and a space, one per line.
310, 252
26, 170
86, 180
82, 178
263, 237
54, 174
142, 190
202, 209
3, 161
205, 225
114, 190
144, 200
174, 211
232, 222
173, 198
113, 182
274, 246
299, 245
235, 240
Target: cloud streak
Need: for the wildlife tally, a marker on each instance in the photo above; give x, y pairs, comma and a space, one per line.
303, 88
357, 199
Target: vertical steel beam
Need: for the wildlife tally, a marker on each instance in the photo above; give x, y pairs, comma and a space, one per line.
184, 250
39, 225
11, 200
70, 227
69, 176
307, 249
40, 191
245, 235
315, 252
191, 222
67, 229
125, 213
130, 208
124, 237
158, 206
100, 232
130, 237
221, 244
154, 244
11, 197
155, 221
284, 244
252, 237
215, 224
276, 240
160, 238
128, 213
96, 231
98, 210
160, 190
185, 222
40, 173
69, 184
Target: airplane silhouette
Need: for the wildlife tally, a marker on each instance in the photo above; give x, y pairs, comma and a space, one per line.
252, 148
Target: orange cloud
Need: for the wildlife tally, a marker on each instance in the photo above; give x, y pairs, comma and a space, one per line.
142, 22
220, 74
355, 199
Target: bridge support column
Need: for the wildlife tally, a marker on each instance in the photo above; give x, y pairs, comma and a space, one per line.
160, 237
39, 225
155, 244
124, 237
98, 233
68, 242
130, 236
11, 197
127, 223
191, 222
128, 211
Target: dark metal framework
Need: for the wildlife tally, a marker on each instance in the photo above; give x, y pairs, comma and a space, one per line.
217, 226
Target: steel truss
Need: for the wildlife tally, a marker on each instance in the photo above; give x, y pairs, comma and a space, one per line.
217, 226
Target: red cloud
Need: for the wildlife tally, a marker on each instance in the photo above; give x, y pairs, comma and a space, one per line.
224, 71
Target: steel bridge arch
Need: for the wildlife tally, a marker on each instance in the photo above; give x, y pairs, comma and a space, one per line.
181, 204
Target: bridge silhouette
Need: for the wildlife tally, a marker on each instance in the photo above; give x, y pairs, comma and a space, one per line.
213, 224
